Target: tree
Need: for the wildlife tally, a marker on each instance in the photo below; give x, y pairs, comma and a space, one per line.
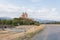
0, 22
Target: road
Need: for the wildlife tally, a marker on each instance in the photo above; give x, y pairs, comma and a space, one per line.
51, 32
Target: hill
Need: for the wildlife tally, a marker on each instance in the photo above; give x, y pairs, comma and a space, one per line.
45, 21
5, 18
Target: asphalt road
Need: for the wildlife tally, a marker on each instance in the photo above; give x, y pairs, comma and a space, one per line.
51, 32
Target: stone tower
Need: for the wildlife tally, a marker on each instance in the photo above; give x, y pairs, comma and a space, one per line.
24, 15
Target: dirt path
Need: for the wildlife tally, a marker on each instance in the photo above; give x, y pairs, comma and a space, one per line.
5, 35
10, 36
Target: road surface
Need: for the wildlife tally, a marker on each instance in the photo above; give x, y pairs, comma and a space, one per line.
51, 32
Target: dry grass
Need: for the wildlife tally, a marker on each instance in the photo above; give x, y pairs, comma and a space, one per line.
31, 32
5, 35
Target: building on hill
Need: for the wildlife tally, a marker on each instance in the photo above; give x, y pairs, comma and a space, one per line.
24, 15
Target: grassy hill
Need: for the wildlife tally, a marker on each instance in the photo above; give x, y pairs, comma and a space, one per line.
19, 21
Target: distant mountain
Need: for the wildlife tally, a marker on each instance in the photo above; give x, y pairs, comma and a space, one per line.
39, 20
5, 18
44, 21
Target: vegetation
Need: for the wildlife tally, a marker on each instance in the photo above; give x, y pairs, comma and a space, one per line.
31, 32
19, 21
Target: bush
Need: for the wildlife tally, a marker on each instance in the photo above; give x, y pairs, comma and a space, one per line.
19, 21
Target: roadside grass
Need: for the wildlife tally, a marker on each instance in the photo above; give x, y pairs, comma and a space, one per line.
30, 33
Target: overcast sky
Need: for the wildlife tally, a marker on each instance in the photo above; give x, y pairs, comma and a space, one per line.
42, 9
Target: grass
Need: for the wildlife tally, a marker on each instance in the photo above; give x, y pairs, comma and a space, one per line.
31, 32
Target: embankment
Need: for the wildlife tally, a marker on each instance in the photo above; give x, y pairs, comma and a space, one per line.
31, 32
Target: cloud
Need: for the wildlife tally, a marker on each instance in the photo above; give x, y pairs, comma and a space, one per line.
34, 1
45, 13
8, 8
42, 13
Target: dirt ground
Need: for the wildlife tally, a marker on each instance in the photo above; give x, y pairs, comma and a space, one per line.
6, 35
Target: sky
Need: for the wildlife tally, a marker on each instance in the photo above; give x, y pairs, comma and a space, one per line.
41, 9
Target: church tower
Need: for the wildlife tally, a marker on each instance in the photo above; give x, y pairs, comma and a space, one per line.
24, 15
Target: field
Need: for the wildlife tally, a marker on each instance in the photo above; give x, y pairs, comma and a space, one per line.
29, 30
